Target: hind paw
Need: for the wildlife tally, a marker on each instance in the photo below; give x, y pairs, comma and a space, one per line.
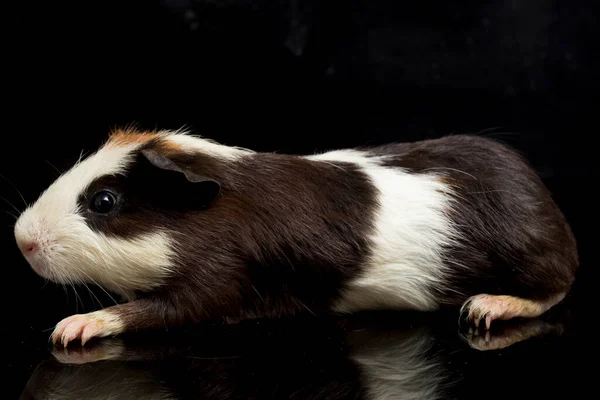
486, 308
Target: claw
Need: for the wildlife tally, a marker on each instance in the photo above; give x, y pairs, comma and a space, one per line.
85, 327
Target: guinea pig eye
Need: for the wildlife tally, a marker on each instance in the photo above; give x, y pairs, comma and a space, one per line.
103, 202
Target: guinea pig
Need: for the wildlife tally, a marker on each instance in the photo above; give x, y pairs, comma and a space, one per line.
188, 230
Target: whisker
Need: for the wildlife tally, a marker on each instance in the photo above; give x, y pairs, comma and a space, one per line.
12, 215
13, 185
79, 298
65, 289
56, 169
305, 306
76, 303
69, 284
96, 283
81, 156
11, 204
108, 294
93, 294
89, 290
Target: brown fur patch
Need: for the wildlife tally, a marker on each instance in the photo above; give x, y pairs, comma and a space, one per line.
129, 136
125, 137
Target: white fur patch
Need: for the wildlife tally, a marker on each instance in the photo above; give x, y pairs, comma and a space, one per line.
411, 229
70, 252
207, 146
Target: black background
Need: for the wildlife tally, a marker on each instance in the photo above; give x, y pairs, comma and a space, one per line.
289, 76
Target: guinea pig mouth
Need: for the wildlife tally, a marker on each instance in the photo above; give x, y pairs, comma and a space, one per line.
39, 268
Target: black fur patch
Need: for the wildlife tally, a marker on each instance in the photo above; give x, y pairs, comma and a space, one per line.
515, 241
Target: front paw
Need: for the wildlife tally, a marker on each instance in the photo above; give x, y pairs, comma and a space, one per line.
86, 326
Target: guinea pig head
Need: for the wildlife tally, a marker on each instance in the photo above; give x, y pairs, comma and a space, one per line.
112, 219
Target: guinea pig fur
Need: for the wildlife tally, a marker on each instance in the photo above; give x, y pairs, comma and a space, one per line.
186, 230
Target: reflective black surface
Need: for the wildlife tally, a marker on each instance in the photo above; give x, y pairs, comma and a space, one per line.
383, 356
301, 76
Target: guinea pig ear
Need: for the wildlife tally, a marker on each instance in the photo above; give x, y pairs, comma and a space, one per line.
204, 188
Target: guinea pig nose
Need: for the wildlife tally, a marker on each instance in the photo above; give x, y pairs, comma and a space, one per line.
27, 246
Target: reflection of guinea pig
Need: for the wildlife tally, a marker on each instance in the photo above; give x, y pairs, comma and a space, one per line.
186, 229
376, 357
259, 367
